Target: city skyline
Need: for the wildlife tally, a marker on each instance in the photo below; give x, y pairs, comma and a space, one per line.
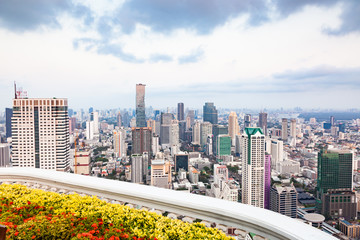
258, 54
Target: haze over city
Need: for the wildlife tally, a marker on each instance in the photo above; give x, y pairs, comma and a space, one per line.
238, 54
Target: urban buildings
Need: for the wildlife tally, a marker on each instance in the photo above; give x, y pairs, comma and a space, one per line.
234, 128
8, 116
40, 129
161, 173
293, 128
196, 133
205, 131
82, 163
267, 181
284, 129
283, 199
253, 167
218, 130
247, 121
141, 140
263, 122
180, 112
137, 168
119, 145
223, 145
140, 105
4, 155
181, 161
210, 114
277, 153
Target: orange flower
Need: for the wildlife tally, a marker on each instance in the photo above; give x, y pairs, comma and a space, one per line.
16, 233
33, 237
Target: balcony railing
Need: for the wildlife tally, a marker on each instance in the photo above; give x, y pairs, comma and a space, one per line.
224, 213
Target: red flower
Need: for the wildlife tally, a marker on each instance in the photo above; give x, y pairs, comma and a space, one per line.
111, 224
33, 237
101, 223
79, 235
92, 231
94, 225
124, 235
28, 202
16, 233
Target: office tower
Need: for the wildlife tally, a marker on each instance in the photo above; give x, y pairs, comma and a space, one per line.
151, 124
342, 127
238, 145
247, 121
4, 155
174, 133
234, 128
218, 130
136, 168
191, 116
223, 145
181, 161
205, 131
119, 144
253, 167
210, 114
156, 114
332, 120
196, 133
126, 119
340, 203
208, 146
267, 181
140, 105
89, 131
180, 112
141, 140
293, 128
72, 125
94, 116
161, 173
284, 129
182, 130
263, 122
40, 128
91, 109
8, 115
82, 163
155, 147
277, 153
165, 128
118, 119
284, 200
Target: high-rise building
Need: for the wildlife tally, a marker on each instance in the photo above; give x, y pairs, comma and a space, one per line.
196, 133
223, 145
72, 124
267, 181
284, 200
234, 128
191, 116
118, 119
140, 105
89, 131
91, 109
332, 121
181, 161
218, 130
340, 203
180, 112
4, 155
174, 133
263, 122
253, 167
8, 115
141, 140
277, 153
119, 142
284, 129
182, 130
165, 128
137, 168
94, 116
210, 114
40, 129
247, 121
205, 131
161, 173
293, 128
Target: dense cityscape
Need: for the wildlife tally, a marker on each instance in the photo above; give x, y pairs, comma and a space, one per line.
298, 164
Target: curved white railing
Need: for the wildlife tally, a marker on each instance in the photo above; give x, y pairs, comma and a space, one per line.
248, 218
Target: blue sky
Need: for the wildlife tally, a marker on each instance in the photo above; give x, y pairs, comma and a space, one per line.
238, 54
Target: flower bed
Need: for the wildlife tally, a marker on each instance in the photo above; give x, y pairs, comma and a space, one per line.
37, 214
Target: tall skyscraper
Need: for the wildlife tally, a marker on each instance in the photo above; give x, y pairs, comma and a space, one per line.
40, 128
223, 145
140, 105
205, 131
8, 115
94, 116
277, 153
293, 128
72, 124
263, 122
196, 133
234, 128
180, 112
119, 142
141, 140
4, 154
191, 116
174, 133
217, 130
247, 121
284, 129
118, 119
253, 167
284, 200
267, 181
332, 121
210, 114
137, 168
165, 128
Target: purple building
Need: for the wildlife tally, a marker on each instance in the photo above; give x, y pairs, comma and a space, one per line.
267, 184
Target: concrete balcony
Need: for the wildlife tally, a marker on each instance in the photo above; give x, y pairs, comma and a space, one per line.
212, 211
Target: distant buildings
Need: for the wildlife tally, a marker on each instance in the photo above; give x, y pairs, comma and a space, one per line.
141, 140
234, 128
247, 121
40, 128
4, 155
284, 129
140, 105
8, 116
223, 145
253, 167
119, 144
196, 133
137, 168
161, 173
210, 114
180, 112
181, 161
205, 131
263, 122
283, 199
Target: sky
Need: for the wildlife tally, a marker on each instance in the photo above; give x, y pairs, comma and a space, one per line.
235, 53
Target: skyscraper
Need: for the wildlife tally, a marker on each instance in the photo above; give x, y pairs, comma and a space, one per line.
284, 129
40, 128
140, 105
180, 112
247, 121
217, 130
119, 142
137, 168
263, 122
210, 114
293, 128
234, 128
267, 181
253, 167
205, 131
332, 121
141, 140
196, 133
191, 116
8, 115
284, 200
118, 119
165, 127
223, 145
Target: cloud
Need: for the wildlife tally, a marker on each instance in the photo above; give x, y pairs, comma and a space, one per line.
154, 58
193, 57
18, 15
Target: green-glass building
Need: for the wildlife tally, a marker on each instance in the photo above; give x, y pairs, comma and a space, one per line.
223, 145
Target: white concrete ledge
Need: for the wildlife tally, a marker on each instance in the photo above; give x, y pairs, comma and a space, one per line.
259, 221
